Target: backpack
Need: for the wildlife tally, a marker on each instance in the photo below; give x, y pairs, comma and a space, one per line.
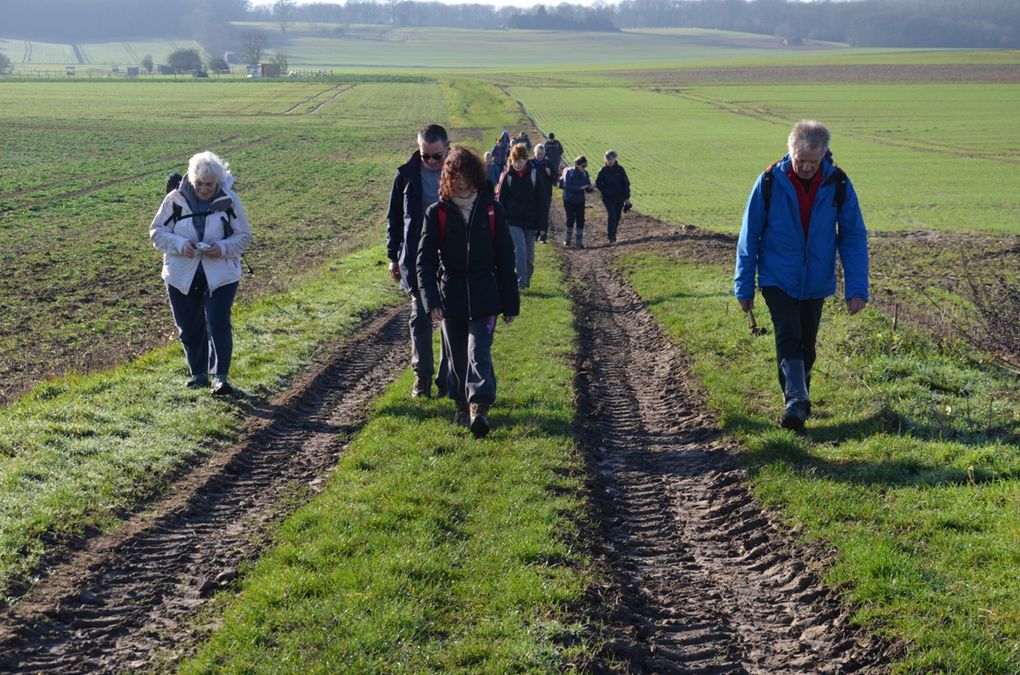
838, 177
441, 214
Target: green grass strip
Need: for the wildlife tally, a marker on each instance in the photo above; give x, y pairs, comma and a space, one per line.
78, 451
430, 551
909, 473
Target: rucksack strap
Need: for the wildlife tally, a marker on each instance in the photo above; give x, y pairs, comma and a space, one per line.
837, 177
766, 185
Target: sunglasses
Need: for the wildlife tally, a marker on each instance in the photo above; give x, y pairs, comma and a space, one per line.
433, 157
582, 165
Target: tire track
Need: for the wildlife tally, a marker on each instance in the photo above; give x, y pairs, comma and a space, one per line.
129, 595
700, 578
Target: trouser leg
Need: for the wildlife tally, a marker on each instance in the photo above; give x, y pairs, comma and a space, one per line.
580, 224
420, 324
614, 211
455, 338
189, 317
795, 324
570, 213
529, 255
221, 341
520, 255
481, 377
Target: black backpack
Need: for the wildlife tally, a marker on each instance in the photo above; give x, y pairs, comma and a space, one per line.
838, 177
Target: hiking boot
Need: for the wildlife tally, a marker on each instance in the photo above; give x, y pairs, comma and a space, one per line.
421, 388
794, 416
220, 386
463, 415
479, 419
197, 382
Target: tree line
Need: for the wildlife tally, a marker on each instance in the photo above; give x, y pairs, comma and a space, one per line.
864, 23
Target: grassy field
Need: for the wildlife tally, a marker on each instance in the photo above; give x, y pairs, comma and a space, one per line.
909, 473
922, 156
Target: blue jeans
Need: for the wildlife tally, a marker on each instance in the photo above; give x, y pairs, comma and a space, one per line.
203, 324
524, 254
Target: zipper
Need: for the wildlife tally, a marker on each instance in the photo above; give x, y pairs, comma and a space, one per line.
467, 234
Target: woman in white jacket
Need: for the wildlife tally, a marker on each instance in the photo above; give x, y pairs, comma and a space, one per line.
202, 231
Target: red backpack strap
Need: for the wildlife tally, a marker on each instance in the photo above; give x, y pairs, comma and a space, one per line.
441, 216
492, 220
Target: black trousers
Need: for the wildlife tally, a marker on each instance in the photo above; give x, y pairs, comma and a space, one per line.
575, 215
796, 327
614, 211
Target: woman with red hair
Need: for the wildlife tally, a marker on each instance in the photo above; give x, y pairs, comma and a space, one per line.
467, 277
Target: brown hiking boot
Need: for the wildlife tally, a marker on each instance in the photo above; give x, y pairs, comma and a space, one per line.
463, 416
421, 388
479, 419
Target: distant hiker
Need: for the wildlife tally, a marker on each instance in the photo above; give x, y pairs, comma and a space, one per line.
493, 170
614, 185
501, 151
545, 181
554, 153
202, 230
466, 237
801, 211
520, 193
575, 183
415, 188
522, 138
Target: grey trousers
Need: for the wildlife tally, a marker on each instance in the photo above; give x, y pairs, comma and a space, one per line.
524, 253
422, 361
468, 343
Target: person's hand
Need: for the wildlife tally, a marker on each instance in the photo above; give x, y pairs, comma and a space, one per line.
395, 271
214, 252
189, 249
508, 319
856, 304
746, 305
436, 314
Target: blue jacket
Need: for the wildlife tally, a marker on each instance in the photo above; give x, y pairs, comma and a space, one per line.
777, 251
573, 183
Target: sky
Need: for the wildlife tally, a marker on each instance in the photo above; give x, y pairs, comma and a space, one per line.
495, 3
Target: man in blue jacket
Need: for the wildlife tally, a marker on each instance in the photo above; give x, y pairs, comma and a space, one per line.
801, 211
415, 188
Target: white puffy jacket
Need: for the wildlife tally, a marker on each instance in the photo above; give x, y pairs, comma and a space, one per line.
170, 238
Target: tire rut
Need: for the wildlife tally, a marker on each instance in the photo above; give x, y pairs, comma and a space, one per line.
701, 579
130, 595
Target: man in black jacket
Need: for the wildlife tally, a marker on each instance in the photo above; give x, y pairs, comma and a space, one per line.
415, 188
614, 185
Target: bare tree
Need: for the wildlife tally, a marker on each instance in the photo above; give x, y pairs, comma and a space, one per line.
280, 59
5, 64
253, 42
147, 63
283, 10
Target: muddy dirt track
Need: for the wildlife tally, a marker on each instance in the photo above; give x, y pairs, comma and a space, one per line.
114, 604
697, 577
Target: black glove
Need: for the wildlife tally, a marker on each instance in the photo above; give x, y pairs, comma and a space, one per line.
626, 206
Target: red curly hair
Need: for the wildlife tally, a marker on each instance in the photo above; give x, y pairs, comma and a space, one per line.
461, 162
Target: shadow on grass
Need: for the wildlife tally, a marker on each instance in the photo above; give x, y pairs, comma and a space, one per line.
776, 446
511, 414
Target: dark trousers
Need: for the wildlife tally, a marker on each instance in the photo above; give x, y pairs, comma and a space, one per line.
203, 324
614, 211
575, 216
796, 327
422, 362
471, 376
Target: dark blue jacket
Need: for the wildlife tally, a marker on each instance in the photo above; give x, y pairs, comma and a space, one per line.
776, 249
613, 183
479, 276
500, 152
573, 183
404, 220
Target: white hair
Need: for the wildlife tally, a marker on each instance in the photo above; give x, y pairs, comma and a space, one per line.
540, 148
808, 135
206, 164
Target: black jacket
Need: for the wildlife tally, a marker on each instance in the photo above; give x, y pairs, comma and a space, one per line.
471, 273
613, 183
522, 197
404, 219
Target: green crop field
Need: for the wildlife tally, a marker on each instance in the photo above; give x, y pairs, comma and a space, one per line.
923, 156
930, 138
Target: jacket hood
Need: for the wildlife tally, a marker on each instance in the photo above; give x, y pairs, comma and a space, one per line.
411, 166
